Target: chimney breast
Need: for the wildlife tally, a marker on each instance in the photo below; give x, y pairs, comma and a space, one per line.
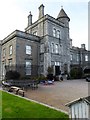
41, 11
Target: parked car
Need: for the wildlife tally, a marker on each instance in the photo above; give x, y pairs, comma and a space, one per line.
88, 79
87, 74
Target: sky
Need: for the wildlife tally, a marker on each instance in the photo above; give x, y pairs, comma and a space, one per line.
13, 15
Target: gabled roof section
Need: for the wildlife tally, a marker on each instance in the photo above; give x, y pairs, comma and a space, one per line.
87, 99
62, 14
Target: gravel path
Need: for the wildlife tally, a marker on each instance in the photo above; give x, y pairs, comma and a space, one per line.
60, 93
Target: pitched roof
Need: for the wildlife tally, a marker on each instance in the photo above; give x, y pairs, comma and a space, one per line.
87, 99
62, 14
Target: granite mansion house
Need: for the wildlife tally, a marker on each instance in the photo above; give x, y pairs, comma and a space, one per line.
44, 43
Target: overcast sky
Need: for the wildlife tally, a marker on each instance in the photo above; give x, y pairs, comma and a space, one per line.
13, 15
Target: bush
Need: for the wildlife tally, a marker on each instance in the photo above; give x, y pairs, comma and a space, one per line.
50, 77
12, 75
50, 70
41, 77
76, 73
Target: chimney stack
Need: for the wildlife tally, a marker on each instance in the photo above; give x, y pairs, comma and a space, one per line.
30, 19
41, 11
83, 46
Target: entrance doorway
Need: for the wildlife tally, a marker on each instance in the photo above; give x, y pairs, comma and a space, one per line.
57, 70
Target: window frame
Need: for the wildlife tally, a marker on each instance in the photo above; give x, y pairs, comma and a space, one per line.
58, 33
54, 32
28, 50
10, 62
71, 57
52, 48
28, 67
77, 57
4, 52
86, 58
57, 48
10, 50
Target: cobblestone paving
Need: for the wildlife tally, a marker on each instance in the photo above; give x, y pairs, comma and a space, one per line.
60, 93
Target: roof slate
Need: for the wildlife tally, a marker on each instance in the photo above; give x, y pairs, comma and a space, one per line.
62, 13
87, 99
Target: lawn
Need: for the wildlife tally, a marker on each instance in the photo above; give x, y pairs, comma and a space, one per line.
16, 107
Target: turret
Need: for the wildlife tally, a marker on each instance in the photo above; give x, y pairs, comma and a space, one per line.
63, 17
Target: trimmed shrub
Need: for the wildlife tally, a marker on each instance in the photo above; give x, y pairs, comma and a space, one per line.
76, 73
50, 77
12, 75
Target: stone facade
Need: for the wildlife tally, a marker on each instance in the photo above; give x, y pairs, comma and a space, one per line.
52, 32
44, 43
0, 60
18, 40
80, 57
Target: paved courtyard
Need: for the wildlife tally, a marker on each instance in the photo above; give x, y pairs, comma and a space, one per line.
60, 93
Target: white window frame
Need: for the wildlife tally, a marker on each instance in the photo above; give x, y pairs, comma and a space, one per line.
10, 50
56, 48
28, 50
86, 57
54, 32
28, 67
52, 47
58, 33
71, 57
57, 63
77, 57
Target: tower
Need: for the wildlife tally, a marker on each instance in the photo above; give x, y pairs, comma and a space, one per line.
63, 17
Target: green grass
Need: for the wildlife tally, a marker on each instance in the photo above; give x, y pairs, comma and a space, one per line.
16, 107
